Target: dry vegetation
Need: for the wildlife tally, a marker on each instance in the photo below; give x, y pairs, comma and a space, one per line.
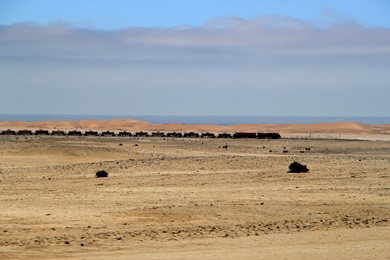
191, 198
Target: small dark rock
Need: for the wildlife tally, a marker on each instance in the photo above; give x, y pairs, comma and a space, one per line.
296, 167
101, 174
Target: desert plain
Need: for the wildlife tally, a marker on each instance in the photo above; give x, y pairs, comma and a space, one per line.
190, 198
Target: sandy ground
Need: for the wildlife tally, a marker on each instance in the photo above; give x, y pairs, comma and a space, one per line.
182, 198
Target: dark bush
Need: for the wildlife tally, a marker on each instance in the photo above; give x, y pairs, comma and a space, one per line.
296, 167
101, 174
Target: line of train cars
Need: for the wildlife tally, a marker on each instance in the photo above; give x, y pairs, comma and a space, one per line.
143, 134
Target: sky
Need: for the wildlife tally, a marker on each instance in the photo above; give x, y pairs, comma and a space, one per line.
171, 57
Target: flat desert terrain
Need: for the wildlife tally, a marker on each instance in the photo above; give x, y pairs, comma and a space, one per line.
181, 198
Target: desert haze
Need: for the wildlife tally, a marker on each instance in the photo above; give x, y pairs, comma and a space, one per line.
195, 198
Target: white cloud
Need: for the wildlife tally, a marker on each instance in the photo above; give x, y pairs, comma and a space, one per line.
226, 60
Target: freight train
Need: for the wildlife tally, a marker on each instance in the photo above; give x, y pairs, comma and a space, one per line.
237, 135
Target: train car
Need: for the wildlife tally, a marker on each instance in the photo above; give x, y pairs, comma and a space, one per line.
268, 135
42, 132
91, 133
244, 135
108, 133
124, 133
25, 132
174, 134
158, 134
208, 135
8, 132
141, 134
74, 133
58, 133
224, 135
191, 135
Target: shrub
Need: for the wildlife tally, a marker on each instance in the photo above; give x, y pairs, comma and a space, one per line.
296, 167
101, 174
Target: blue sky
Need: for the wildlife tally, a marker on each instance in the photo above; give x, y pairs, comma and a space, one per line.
119, 14
247, 57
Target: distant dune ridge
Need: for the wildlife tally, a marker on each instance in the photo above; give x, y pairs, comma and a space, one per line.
136, 125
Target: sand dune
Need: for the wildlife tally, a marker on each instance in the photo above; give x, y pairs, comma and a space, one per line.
136, 125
